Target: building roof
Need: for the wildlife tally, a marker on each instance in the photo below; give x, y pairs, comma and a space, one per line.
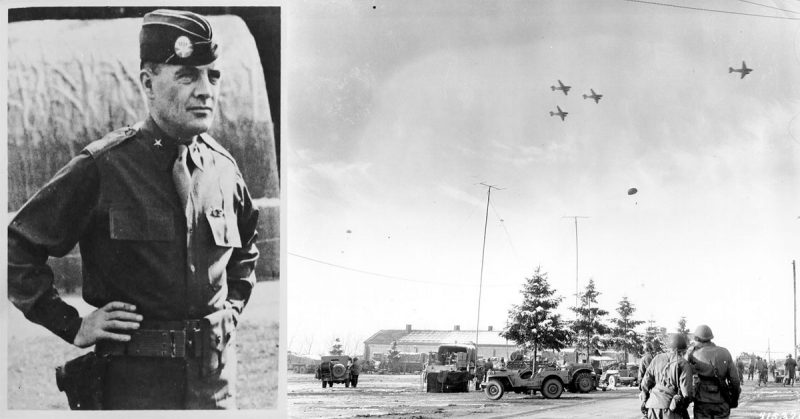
437, 337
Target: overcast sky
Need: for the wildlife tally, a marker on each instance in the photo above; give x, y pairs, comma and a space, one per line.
395, 114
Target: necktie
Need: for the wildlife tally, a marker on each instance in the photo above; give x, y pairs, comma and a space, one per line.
181, 175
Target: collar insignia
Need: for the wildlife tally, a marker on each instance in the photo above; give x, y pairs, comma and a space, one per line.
157, 143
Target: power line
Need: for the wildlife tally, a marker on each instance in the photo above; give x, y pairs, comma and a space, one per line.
508, 235
768, 7
399, 278
710, 10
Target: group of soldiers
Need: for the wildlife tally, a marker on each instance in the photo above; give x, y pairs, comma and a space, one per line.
703, 374
761, 366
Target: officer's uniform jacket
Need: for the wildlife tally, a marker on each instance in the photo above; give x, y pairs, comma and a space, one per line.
117, 200
667, 375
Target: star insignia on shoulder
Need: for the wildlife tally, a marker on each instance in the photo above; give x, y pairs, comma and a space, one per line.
157, 143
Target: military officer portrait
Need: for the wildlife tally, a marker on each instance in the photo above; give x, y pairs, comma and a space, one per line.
144, 201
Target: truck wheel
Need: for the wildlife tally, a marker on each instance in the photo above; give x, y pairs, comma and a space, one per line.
552, 388
584, 382
324, 384
494, 390
612, 381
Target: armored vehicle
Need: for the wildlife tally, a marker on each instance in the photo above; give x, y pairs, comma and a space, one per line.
450, 369
550, 380
334, 369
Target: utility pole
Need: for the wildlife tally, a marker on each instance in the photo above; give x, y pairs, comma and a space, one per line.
483, 253
575, 217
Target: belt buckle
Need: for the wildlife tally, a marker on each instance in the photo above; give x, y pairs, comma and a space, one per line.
193, 338
177, 343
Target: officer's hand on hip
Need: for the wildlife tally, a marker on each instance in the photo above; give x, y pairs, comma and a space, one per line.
103, 322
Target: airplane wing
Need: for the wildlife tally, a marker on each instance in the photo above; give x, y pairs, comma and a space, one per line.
559, 109
566, 89
593, 93
563, 115
744, 73
597, 98
561, 84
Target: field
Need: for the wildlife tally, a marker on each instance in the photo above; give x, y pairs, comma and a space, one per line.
401, 396
33, 354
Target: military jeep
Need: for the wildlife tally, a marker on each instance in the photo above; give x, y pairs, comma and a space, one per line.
619, 374
334, 369
550, 381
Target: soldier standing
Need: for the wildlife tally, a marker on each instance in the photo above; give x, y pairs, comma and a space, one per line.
718, 386
740, 367
667, 382
643, 364
167, 234
761, 366
355, 371
751, 368
790, 366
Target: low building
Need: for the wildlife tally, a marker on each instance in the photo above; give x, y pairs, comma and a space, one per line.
490, 343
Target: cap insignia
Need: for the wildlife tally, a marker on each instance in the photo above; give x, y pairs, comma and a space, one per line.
183, 47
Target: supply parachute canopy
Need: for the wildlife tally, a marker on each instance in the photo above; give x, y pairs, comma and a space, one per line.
632, 191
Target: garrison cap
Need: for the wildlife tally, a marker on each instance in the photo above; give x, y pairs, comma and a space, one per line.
176, 37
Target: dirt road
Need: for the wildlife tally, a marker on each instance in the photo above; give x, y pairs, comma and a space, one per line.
402, 396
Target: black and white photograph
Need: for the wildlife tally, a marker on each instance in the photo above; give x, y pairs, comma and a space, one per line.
542, 209
143, 162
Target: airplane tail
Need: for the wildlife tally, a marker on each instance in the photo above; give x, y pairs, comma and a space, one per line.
730, 70
584, 96
553, 88
552, 113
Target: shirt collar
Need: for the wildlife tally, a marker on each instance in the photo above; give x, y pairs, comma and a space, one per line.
164, 147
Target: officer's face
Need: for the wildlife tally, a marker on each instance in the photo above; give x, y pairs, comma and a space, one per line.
183, 98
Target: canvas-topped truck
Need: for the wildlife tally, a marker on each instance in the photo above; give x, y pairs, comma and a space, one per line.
550, 381
450, 369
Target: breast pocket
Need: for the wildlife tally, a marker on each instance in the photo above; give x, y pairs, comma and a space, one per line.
126, 223
223, 228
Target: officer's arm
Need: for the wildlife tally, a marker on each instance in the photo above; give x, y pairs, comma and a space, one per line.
50, 224
241, 267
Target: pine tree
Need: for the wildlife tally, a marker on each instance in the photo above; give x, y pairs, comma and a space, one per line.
654, 335
534, 325
336, 348
588, 326
682, 329
624, 335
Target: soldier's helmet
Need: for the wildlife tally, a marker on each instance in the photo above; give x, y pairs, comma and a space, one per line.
648, 346
703, 333
677, 341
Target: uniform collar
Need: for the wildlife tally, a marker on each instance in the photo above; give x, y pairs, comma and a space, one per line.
163, 146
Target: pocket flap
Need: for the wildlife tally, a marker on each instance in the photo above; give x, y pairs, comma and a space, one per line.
223, 228
136, 224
